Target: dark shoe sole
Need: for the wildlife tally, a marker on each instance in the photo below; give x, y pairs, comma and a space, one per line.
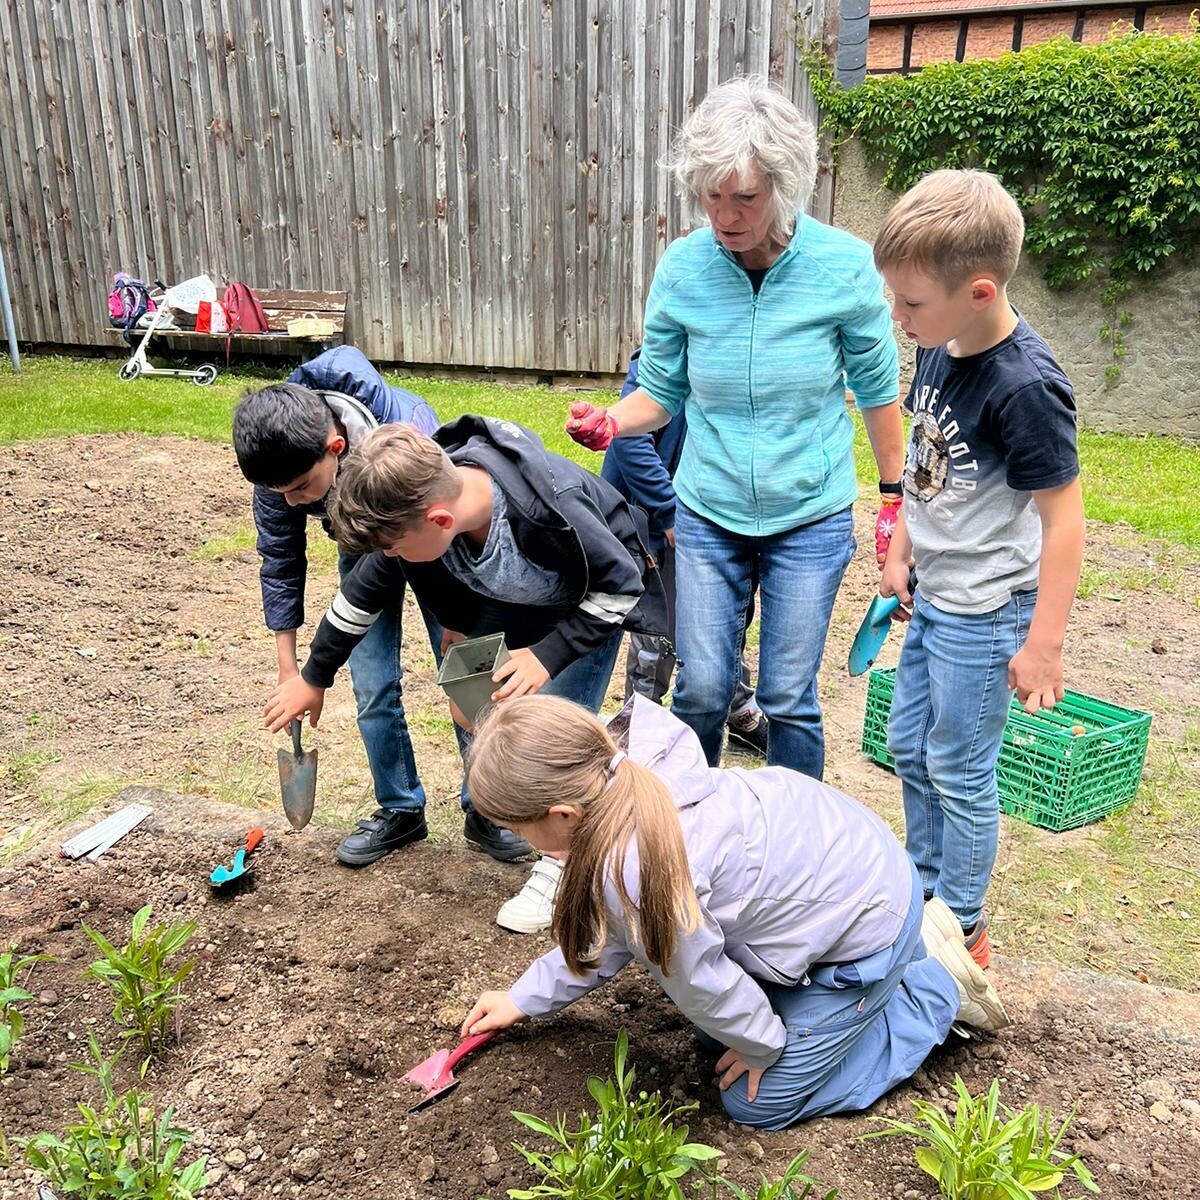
364, 858
505, 856
743, 746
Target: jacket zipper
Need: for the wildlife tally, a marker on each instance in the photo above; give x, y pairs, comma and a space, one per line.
753, 413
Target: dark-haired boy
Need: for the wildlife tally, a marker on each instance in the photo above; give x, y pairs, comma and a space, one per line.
290, 439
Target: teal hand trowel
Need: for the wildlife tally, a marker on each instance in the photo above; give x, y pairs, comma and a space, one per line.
873, 631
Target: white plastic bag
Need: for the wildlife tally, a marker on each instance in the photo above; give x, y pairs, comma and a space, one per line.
186, 296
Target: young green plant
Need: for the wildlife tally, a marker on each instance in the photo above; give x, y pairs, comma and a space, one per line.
989, 1151
793, 1184
120, 1148
145, 983
631, 1150
12, 1023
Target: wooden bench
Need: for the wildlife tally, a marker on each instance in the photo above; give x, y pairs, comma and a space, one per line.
280, 305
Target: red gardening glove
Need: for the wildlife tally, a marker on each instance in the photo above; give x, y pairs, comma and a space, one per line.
590, 426
885, 525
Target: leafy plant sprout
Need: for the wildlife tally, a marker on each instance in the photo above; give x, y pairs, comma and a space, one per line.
988, 1151
146, 985
120, 1148
12, 1022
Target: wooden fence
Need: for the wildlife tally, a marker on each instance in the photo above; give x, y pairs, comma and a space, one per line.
480, 175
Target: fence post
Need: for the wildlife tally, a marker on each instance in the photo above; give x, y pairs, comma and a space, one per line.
9, 328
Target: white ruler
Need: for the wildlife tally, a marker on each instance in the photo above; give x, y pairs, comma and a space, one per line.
103, 836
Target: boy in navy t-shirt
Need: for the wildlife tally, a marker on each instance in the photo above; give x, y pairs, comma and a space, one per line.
992, 520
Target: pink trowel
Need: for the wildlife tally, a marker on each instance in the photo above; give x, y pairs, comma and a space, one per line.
435, 1076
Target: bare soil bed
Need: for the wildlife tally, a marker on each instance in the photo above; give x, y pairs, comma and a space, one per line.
131, 657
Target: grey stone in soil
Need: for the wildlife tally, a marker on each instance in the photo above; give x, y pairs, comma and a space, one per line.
305, 1165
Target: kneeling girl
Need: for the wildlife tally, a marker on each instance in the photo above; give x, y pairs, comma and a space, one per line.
781, 916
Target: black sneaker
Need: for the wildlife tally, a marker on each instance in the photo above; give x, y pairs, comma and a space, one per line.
750, 737
502, 844
387, 830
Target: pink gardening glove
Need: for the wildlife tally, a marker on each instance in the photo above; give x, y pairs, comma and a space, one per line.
885, 525
590, 426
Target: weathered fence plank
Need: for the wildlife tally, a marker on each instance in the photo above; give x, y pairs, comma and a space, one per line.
481, 176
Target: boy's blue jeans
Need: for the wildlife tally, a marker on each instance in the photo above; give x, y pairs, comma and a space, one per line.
949, 708
586, 679
377, 677
799, 572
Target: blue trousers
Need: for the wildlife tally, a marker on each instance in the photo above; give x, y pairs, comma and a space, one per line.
946, 727
798, 573
377, 677
854, 1031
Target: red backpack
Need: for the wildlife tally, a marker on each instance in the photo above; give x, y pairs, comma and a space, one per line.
244, 312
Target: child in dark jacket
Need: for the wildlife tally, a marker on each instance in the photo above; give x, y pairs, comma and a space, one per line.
779, 915
495, 535
641, 469
290, 440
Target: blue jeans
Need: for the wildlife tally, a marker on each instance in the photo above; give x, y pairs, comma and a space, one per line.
799, 572
377, 678
947, 723
854, 1031
586, 679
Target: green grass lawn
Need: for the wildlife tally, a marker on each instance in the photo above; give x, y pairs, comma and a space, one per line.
55, 397
1150, 483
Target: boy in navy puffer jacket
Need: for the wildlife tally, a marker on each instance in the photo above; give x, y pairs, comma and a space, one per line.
289, 440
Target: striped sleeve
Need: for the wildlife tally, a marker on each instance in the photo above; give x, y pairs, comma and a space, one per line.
344, 616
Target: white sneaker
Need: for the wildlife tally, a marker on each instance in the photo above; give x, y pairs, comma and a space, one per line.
531, 909
938, 925
978, 1003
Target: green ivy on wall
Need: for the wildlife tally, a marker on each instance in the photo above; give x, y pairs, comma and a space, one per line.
1100, 145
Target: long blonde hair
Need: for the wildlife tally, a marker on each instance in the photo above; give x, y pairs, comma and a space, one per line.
535, 752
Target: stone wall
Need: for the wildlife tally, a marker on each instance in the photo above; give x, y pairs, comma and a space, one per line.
1159, 387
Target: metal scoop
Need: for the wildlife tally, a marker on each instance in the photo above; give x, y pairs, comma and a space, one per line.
298, 780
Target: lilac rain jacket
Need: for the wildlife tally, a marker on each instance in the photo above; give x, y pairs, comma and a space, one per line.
789, 873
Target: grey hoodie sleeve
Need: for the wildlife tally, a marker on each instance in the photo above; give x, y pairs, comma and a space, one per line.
548, 985
717, 995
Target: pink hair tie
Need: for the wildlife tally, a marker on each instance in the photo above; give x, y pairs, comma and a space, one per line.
614, 762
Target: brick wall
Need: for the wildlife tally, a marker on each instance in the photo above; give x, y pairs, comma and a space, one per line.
936, 39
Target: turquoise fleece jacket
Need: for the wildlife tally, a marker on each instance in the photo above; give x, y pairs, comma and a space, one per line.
763, 377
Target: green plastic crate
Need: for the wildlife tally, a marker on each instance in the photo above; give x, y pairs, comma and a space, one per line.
1047, 775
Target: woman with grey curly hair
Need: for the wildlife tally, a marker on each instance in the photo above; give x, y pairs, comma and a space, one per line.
755, 326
